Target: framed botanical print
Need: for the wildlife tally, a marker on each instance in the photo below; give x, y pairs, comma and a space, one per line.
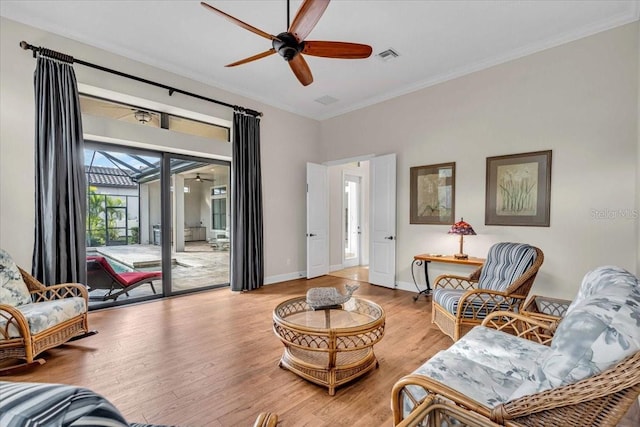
518, 189
432, 194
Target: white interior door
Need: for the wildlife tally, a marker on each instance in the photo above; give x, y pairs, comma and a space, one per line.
382, 258
317, 220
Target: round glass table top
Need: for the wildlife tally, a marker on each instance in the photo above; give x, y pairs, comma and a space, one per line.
354, 313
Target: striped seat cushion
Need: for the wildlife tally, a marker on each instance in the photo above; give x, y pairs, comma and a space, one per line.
506, 262
449, 299
39, 404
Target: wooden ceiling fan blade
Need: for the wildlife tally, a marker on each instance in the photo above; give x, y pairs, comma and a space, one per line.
252, 58
301, 69
239, 22
342, 50
307, 17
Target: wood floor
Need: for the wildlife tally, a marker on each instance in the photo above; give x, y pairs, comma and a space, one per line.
211, 359
360, 273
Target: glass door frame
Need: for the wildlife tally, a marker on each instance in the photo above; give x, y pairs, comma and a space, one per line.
164, 159
166, 215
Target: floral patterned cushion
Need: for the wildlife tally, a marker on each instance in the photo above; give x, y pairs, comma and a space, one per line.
44, 315
507, 354
486, 365
13, 290
600, 329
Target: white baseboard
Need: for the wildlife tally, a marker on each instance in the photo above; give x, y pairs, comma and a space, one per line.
403, 286
284, 277
336, 267
406, 286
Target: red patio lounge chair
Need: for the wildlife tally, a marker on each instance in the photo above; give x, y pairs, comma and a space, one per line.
100, 275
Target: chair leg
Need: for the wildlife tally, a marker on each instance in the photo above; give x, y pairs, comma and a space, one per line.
152, 288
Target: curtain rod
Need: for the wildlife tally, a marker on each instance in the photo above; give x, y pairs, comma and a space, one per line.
70, 59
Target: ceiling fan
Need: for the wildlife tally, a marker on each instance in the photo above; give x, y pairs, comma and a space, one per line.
291, 44
199, 179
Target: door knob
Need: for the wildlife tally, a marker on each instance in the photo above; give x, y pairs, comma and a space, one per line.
310, 235
389, 237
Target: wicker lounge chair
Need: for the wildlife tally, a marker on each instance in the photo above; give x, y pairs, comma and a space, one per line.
588, 375
34, 317
100, 275
501, 284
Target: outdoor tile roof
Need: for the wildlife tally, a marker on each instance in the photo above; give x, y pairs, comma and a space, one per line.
109, 177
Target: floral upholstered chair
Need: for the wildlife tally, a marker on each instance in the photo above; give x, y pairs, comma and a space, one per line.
34, 317
501, 284
588, 376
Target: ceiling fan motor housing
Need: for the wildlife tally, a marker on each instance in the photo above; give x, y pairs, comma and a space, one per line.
287, 46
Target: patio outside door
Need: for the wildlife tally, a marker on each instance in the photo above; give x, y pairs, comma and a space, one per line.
199, 219
157, 224
124, 264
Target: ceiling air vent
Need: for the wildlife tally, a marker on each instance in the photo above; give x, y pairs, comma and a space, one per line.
387, 55
326, 100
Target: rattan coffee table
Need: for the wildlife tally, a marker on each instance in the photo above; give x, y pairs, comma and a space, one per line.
331, 346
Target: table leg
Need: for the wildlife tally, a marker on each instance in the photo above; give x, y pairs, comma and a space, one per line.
426, 292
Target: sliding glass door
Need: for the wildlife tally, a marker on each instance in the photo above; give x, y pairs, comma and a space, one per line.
157, 224
199, 223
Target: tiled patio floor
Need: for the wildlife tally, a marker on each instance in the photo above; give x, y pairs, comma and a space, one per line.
199, 265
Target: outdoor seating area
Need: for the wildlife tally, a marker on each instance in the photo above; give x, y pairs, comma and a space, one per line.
197, 265
100, 275
220, 240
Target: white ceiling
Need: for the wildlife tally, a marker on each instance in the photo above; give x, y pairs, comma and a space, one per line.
436, 40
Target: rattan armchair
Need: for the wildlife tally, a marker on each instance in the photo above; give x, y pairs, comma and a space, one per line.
601, 400
523, 369
501, 284
16, 338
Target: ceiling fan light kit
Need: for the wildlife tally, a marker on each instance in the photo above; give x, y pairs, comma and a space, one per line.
291, 44
198, 178
142, 116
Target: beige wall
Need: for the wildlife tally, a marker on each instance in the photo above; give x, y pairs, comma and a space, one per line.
638, 153
579, 100
288, 142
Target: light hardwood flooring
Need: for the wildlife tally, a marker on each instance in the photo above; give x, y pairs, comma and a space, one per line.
360, 273
211, 359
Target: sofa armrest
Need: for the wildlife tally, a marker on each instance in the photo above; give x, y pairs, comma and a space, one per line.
66, 290
436, 409
449, 281
432, 387
523, 325
13, 317
617, 384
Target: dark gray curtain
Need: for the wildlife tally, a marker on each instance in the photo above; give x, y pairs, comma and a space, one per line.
59, 253
247, 258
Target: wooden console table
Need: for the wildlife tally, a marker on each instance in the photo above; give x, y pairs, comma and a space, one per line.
425, 259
